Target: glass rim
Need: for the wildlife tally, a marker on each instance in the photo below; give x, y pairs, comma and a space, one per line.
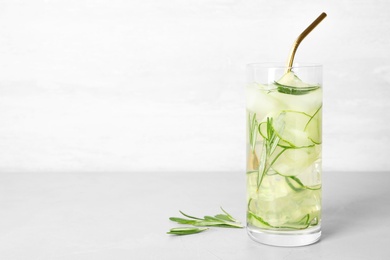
282, 65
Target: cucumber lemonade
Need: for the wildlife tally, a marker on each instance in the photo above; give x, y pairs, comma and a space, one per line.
284, 117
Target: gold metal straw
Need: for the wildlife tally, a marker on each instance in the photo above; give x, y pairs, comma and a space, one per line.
300, 38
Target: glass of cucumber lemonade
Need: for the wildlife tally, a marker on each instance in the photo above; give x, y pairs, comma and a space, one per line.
284, 141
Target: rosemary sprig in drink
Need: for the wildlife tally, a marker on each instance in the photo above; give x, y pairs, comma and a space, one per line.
270, 143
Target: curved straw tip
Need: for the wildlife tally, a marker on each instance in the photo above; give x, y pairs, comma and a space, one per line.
301, 37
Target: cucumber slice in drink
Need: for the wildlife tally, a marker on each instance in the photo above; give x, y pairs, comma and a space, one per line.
313, 127
307, 103
300, 129
291, 84
292, 162
293, 133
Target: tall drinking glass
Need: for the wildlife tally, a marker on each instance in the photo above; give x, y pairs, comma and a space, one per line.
284, 141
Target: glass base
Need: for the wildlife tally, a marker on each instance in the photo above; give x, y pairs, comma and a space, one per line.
285, 238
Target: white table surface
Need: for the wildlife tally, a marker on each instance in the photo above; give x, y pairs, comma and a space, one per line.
125, 216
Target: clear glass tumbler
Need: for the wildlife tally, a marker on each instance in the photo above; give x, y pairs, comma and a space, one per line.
284, 143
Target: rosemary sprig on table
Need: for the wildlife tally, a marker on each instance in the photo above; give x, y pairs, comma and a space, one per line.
186, 230
202, 224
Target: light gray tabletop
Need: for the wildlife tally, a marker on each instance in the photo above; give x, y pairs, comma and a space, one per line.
125, 216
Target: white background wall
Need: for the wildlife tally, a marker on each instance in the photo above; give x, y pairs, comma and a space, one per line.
152, 85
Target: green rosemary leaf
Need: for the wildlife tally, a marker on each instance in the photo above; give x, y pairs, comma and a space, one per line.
186, 230
209, 223
188, 216
222, 217
213, 221
183, 220
210, 218
228, 215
